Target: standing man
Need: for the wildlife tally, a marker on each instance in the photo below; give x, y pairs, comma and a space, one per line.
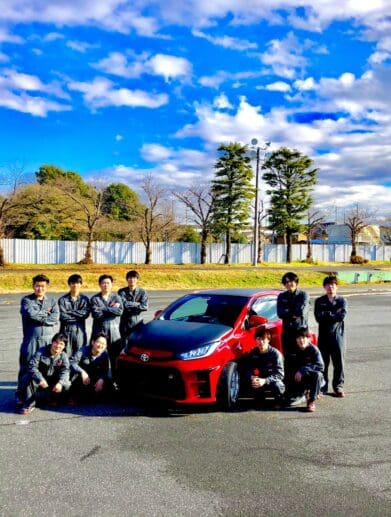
135, 301
106, 310
74, 310
330, 312
292, 307
40, 314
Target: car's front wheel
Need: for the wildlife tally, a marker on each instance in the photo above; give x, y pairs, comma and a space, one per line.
228, 386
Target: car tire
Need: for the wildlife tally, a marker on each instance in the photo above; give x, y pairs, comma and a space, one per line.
228, 387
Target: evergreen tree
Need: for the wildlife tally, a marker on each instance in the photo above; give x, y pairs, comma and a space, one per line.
233, 191
291, 176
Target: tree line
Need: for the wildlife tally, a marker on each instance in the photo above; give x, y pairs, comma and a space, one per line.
59, 205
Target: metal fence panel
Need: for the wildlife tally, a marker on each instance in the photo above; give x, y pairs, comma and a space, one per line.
23, 251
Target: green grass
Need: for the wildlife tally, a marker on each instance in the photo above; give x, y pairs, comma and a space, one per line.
16, 278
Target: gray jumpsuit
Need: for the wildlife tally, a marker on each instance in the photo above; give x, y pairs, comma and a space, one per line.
73, 315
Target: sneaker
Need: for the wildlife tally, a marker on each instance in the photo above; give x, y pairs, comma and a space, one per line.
26, 410
310, 406
296, 401
339, 392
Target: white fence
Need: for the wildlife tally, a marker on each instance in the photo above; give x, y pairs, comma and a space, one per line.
19, 251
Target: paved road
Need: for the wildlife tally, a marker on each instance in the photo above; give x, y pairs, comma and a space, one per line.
126, 460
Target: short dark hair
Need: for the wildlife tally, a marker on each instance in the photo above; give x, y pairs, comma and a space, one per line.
60, 337
303, 332
132, 274
75, 279
263, 333
103, 277
290, 276
331, 279
41, 278
98, 335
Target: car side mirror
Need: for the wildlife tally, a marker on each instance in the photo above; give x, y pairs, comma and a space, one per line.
256, 321
157, 314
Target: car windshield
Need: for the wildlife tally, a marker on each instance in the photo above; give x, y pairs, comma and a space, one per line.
206, 308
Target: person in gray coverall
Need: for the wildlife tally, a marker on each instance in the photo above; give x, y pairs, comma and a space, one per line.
47, 376
292, 307
106, 311
330, 312
135, 302
74, 310
40, 315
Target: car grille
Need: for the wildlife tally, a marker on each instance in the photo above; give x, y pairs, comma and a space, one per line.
154, 381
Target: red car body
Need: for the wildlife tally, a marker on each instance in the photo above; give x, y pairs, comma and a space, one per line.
189, 354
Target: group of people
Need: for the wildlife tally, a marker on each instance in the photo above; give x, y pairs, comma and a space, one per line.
68, 365
302, 372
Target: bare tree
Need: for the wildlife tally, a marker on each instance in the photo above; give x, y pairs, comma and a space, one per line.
357, 220
262, 215
314, 219
199, 200
89, 204
11, 177
157, 218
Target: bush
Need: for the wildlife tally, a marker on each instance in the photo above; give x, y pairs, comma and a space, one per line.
358, 259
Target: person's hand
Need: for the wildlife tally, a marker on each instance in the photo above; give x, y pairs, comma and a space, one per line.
43, 384
99, 385
85, 378
57, 388
298, 377
115, 304
257, 382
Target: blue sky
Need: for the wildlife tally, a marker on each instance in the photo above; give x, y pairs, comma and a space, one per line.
120, 89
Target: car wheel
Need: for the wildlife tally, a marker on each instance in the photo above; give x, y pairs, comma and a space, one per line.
228, 387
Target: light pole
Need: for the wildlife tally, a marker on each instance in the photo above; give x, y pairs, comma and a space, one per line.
258, 149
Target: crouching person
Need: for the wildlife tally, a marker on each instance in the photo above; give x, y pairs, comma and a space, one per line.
47, 377
90, 371
309, 368
264, 369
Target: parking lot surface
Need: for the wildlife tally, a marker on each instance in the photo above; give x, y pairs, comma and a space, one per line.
121, 459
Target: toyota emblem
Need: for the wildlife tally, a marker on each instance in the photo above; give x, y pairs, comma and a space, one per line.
144, 358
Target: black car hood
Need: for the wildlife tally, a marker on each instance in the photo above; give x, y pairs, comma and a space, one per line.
176, 336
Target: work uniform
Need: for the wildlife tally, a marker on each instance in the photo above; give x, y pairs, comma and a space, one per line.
134, 302
73, 315
96, 367
39, 319
330, 315
45, 366
293, 309
106, 319
310, 364
269, 366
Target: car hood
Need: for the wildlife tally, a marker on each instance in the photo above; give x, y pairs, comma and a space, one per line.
176, 336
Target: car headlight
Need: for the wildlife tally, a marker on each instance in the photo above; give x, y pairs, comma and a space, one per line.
201, 351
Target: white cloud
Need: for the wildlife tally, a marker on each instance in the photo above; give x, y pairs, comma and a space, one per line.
52, 36
306, 84
117, 63
118, 138
169, 67
155, 152
222, 102
226, 41
278, 86
33, 105
284, 56
101, 93
79, 46
7, 37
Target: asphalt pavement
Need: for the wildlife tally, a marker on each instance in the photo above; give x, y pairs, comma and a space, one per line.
122, 459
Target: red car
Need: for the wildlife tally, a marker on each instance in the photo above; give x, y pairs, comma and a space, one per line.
189, 353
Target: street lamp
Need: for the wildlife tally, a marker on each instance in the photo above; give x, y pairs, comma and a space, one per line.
258, 149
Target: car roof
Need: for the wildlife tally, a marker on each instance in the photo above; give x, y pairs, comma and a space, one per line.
239, 291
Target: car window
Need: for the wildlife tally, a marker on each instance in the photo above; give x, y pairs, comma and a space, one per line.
217, 309
266, 307
192, 307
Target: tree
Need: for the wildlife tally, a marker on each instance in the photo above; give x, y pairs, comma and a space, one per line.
157, 218
232, 190
87, 199
356, 221
314, 219
121, 203
199, 200
291, 176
